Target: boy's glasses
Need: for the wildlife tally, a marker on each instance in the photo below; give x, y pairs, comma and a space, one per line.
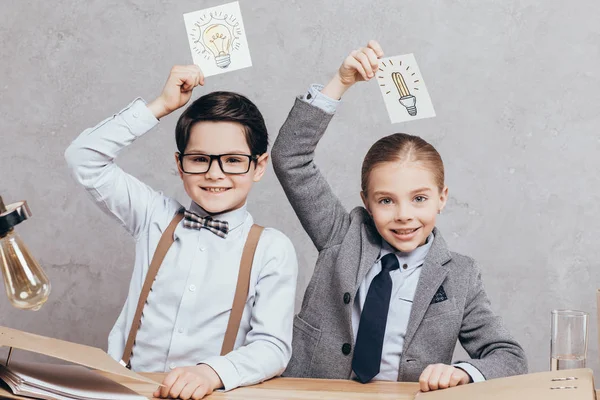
233, 164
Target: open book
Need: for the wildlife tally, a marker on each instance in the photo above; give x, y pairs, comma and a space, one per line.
52, 381
62, 382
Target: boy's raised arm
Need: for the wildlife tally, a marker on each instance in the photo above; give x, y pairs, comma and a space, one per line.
91, 156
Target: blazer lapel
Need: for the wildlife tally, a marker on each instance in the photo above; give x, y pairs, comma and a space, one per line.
370, 249
433, 274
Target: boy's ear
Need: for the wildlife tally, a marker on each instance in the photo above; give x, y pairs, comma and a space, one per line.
178, 165
261, 167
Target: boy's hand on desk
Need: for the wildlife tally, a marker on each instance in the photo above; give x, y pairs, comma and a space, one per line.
442, 376
192, 382
178, 89
360, 65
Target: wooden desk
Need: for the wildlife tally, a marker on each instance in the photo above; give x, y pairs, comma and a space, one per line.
300, 389
297, 389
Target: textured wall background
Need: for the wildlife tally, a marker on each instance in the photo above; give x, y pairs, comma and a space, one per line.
515, 85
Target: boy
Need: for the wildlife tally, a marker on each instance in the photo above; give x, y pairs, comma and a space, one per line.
222, 142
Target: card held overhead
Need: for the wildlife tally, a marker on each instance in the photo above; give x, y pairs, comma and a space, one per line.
217, 39
404, 93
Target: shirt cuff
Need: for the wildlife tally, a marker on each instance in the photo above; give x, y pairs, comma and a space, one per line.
473, 372
226, 371
319, 100
138, 117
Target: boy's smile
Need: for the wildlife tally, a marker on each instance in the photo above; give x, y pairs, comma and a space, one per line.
215, 191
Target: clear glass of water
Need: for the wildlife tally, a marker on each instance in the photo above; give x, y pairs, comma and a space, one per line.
569, 339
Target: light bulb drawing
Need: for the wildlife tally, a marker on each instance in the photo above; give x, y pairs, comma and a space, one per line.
404, 92
406, 99
215, 36
217, 39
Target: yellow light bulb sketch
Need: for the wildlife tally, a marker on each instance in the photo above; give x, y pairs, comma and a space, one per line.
406, 99
216, 35
217, 39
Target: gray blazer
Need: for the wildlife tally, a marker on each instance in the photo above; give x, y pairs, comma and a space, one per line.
348, 245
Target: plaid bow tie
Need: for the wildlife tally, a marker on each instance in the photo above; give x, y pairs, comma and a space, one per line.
194, 221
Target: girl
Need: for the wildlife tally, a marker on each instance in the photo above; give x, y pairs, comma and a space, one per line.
387, 300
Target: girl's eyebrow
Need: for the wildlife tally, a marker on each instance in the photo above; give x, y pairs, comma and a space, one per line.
382, 193
386, 193
423, 189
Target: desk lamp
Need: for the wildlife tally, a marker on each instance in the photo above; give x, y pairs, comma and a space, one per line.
27, 286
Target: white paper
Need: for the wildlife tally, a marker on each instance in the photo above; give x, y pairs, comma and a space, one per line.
52, 381
404, 93
217, 39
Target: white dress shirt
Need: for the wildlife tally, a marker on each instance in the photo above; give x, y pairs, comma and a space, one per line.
187, 311
404, 283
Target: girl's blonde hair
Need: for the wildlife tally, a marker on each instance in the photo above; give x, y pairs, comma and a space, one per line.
401, 147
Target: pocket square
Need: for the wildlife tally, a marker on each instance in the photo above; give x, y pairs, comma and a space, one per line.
439, 296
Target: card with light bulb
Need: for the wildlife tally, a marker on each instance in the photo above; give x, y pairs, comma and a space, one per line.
403, 88
217, 39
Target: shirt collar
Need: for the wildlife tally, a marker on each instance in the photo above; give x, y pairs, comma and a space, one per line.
412, 259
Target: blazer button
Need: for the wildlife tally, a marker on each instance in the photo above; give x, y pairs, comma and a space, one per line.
347, 298
346, 349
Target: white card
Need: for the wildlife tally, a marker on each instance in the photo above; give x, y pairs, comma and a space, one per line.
218, 39
403, 89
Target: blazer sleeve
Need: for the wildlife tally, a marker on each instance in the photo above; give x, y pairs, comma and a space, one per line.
492, 349
320, 211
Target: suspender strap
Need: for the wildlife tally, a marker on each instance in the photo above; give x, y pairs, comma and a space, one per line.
241, 290
165, 242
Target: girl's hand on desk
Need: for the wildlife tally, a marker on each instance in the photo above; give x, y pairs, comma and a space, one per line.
192, 382
442, 376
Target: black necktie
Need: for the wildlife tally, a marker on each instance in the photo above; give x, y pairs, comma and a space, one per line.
371, 329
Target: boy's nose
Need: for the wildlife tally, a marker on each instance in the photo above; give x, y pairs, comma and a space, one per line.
214, 170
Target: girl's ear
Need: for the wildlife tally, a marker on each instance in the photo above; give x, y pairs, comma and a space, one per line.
443, 199
365, 201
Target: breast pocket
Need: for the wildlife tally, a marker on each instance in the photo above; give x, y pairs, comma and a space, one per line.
441, 309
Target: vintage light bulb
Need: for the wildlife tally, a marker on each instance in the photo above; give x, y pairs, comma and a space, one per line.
26, 284
217, 39
406, 99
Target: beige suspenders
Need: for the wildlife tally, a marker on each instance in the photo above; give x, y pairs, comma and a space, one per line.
241, 290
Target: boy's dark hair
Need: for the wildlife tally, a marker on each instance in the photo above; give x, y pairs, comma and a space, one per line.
224, 106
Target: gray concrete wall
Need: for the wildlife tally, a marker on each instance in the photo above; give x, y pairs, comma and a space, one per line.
515, 85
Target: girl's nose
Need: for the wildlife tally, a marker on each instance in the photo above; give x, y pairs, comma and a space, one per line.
403, 213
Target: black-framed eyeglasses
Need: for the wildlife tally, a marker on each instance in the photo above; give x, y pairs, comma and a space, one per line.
233, 164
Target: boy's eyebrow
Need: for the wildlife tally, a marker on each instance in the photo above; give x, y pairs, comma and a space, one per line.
195, 151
